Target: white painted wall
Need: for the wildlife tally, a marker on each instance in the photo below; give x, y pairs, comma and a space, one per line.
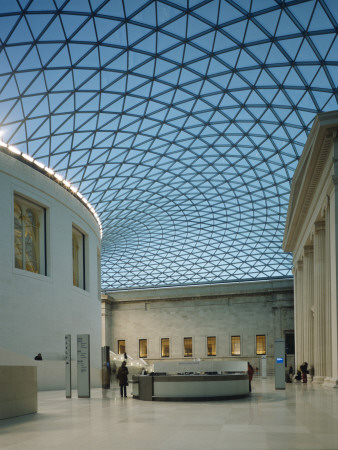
37, 311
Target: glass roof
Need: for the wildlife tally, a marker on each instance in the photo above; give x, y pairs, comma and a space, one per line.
181, 121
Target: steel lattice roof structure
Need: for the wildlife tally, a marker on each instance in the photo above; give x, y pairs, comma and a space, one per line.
181, 121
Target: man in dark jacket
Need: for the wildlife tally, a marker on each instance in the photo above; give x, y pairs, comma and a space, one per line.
122, 376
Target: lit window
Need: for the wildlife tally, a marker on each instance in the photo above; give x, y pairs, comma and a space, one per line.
78, 259
260, 345
121, 347
165, 347
143, 348
187, 346
235, 345
29, 236
211, 345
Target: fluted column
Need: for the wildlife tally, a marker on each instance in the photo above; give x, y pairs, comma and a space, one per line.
106, 322
308, 304
320, 299
298, 314
328, 328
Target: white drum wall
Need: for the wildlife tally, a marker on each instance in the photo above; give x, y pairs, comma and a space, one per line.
37, 311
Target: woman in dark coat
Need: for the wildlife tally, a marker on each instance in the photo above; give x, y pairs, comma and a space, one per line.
122, 376
251, 371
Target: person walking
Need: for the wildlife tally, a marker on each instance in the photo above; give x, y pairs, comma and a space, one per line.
122, 376
251, 371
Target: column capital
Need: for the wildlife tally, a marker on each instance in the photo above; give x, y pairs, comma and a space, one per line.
308, 250
319, 226
325, 207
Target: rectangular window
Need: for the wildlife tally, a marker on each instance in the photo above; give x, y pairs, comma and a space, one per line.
187, 346
29, 236
165, 347
211, 345
260, 345
78, 242
235, 345
121, 347
143, 348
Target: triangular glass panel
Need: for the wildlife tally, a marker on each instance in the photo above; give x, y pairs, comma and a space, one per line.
175, 55
178, 27
72, 23
61, 59
165, 13
196, 26
269, 20
87, 33
136, 32
228, 13
118, 37
306, 53
223, 42
16, 53
332, 55
276, 56
113, 9
104, 26
319, 19
147, 15
322, 43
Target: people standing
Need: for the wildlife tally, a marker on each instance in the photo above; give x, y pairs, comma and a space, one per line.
304, 371
250, 373
122, 376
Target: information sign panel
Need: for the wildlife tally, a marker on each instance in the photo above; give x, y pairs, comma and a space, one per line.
68, 368
279, 364
83, 366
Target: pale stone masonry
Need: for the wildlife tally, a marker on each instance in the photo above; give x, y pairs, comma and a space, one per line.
221, 310
311, 234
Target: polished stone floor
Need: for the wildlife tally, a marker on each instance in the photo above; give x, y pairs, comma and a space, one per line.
301, 417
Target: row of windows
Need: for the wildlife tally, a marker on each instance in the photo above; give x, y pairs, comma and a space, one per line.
188, 348
30, 241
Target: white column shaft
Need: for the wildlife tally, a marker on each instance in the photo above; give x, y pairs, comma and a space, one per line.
308, 304
320, 299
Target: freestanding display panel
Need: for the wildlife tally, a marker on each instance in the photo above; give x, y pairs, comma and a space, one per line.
279, 364
68, 368
83, 366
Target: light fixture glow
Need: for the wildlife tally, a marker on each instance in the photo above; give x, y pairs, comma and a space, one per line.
14, 150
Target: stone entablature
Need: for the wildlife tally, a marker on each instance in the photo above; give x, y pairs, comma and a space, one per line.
311, 235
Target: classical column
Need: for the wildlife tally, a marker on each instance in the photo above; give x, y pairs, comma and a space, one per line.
298, 314
106, 321
308, 304
320, 298
328, 328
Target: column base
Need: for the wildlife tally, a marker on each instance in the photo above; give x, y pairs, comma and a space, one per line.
318, 380
331, 382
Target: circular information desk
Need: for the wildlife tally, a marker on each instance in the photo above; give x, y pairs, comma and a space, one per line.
190, 387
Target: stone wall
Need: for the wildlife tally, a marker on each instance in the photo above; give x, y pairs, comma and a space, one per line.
222, 310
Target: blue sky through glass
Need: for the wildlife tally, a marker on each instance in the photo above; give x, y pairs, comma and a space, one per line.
181, 122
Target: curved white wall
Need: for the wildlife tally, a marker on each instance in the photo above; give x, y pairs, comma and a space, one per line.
36, 310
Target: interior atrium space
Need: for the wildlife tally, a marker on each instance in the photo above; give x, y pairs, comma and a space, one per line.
169, 189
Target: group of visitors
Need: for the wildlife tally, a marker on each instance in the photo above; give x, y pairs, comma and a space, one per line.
303, 372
